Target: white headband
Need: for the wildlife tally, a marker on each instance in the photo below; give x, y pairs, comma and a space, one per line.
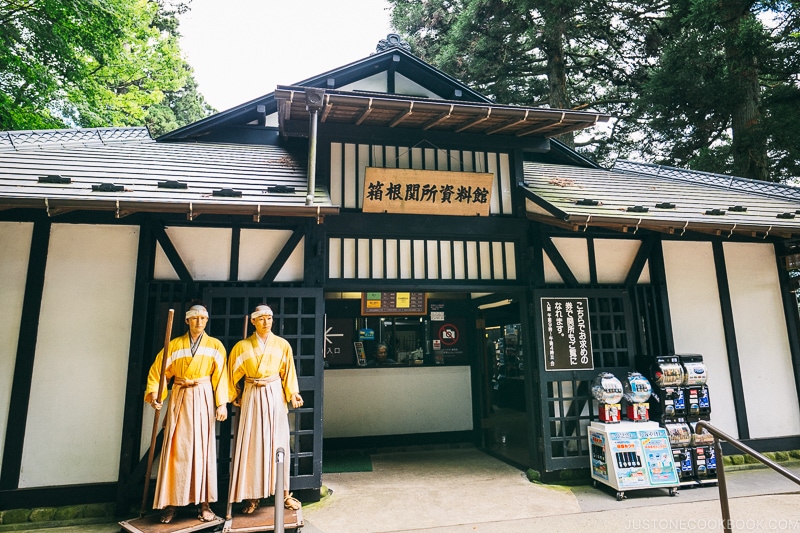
261, 310
196, 310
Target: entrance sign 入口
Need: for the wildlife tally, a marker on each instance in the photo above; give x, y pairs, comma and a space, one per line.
567, 336
427, 192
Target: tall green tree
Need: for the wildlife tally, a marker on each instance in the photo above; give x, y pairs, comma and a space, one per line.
725, 93
565, 54
91, 63
707, 84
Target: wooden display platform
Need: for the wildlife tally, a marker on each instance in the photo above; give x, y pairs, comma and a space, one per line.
184, 522
263, 519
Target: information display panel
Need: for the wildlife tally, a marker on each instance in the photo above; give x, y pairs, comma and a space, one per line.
394, 303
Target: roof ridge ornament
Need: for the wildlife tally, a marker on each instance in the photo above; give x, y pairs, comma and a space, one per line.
393, 40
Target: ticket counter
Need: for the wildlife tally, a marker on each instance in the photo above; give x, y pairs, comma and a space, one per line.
362, 402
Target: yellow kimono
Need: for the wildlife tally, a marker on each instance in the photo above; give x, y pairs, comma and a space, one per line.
270, 380
187, 472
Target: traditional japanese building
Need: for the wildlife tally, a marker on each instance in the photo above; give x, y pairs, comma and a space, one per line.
380, 202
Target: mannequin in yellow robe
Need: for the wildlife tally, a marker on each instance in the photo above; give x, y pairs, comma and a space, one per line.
187, 472
265, 364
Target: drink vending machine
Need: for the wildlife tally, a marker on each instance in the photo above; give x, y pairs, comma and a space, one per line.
632, 454
681, 399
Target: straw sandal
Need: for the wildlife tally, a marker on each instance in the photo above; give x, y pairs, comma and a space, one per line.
205, 514
168, 515
250, 507
291, 503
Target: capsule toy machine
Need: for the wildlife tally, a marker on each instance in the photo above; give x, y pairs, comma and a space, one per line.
680, 439
637, 391
668, 395
607, 390
628, 455
704, 457
695, 376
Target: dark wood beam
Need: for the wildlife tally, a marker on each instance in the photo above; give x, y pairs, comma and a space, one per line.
282, 257
792, 315
134, 402
558, 261
236, 239
640, 260
729, 327
171, 252
26, 350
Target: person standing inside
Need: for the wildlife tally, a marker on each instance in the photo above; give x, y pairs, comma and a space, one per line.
265, 364
187, 471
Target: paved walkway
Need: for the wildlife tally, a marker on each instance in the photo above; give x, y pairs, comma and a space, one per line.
464, 490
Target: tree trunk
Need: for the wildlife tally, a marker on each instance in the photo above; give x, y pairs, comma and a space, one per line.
553, 46
749, 147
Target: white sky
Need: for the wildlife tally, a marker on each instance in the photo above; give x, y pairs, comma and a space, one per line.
243, 49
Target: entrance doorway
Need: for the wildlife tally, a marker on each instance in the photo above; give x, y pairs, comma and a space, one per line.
504, 421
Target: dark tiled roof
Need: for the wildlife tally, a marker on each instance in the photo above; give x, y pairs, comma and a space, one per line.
733, 183
19, 140
124, 169
579, 197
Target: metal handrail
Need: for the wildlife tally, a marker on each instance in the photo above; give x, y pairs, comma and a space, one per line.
279, 482
723, 487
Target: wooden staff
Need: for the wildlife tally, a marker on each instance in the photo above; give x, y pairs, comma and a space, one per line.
161, 385
229, 510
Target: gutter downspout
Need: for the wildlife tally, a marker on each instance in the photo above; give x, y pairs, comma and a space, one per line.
313, 105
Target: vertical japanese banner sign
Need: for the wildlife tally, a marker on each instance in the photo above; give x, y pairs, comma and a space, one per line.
567, 337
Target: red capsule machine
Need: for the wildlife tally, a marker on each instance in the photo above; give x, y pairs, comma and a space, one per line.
637, 393
607, 390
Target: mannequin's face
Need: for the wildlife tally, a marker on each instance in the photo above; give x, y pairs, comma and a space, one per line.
197, 324
263, 324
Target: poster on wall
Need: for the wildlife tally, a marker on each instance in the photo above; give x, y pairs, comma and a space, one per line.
448, 332
567, 337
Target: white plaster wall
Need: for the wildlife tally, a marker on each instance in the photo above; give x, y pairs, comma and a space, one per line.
163, 269
396, 401
15, 241
614, 258
576, 254
697, 321
258, 250
762, 340
81, 361
406, 86
206, 252
376, 83
551, 274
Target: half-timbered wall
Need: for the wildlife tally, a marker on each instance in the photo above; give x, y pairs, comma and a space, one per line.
349, 162
612, 258
697, 326
428, 259
379, 83
762, 340
78, 386
16, 239
206, 252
